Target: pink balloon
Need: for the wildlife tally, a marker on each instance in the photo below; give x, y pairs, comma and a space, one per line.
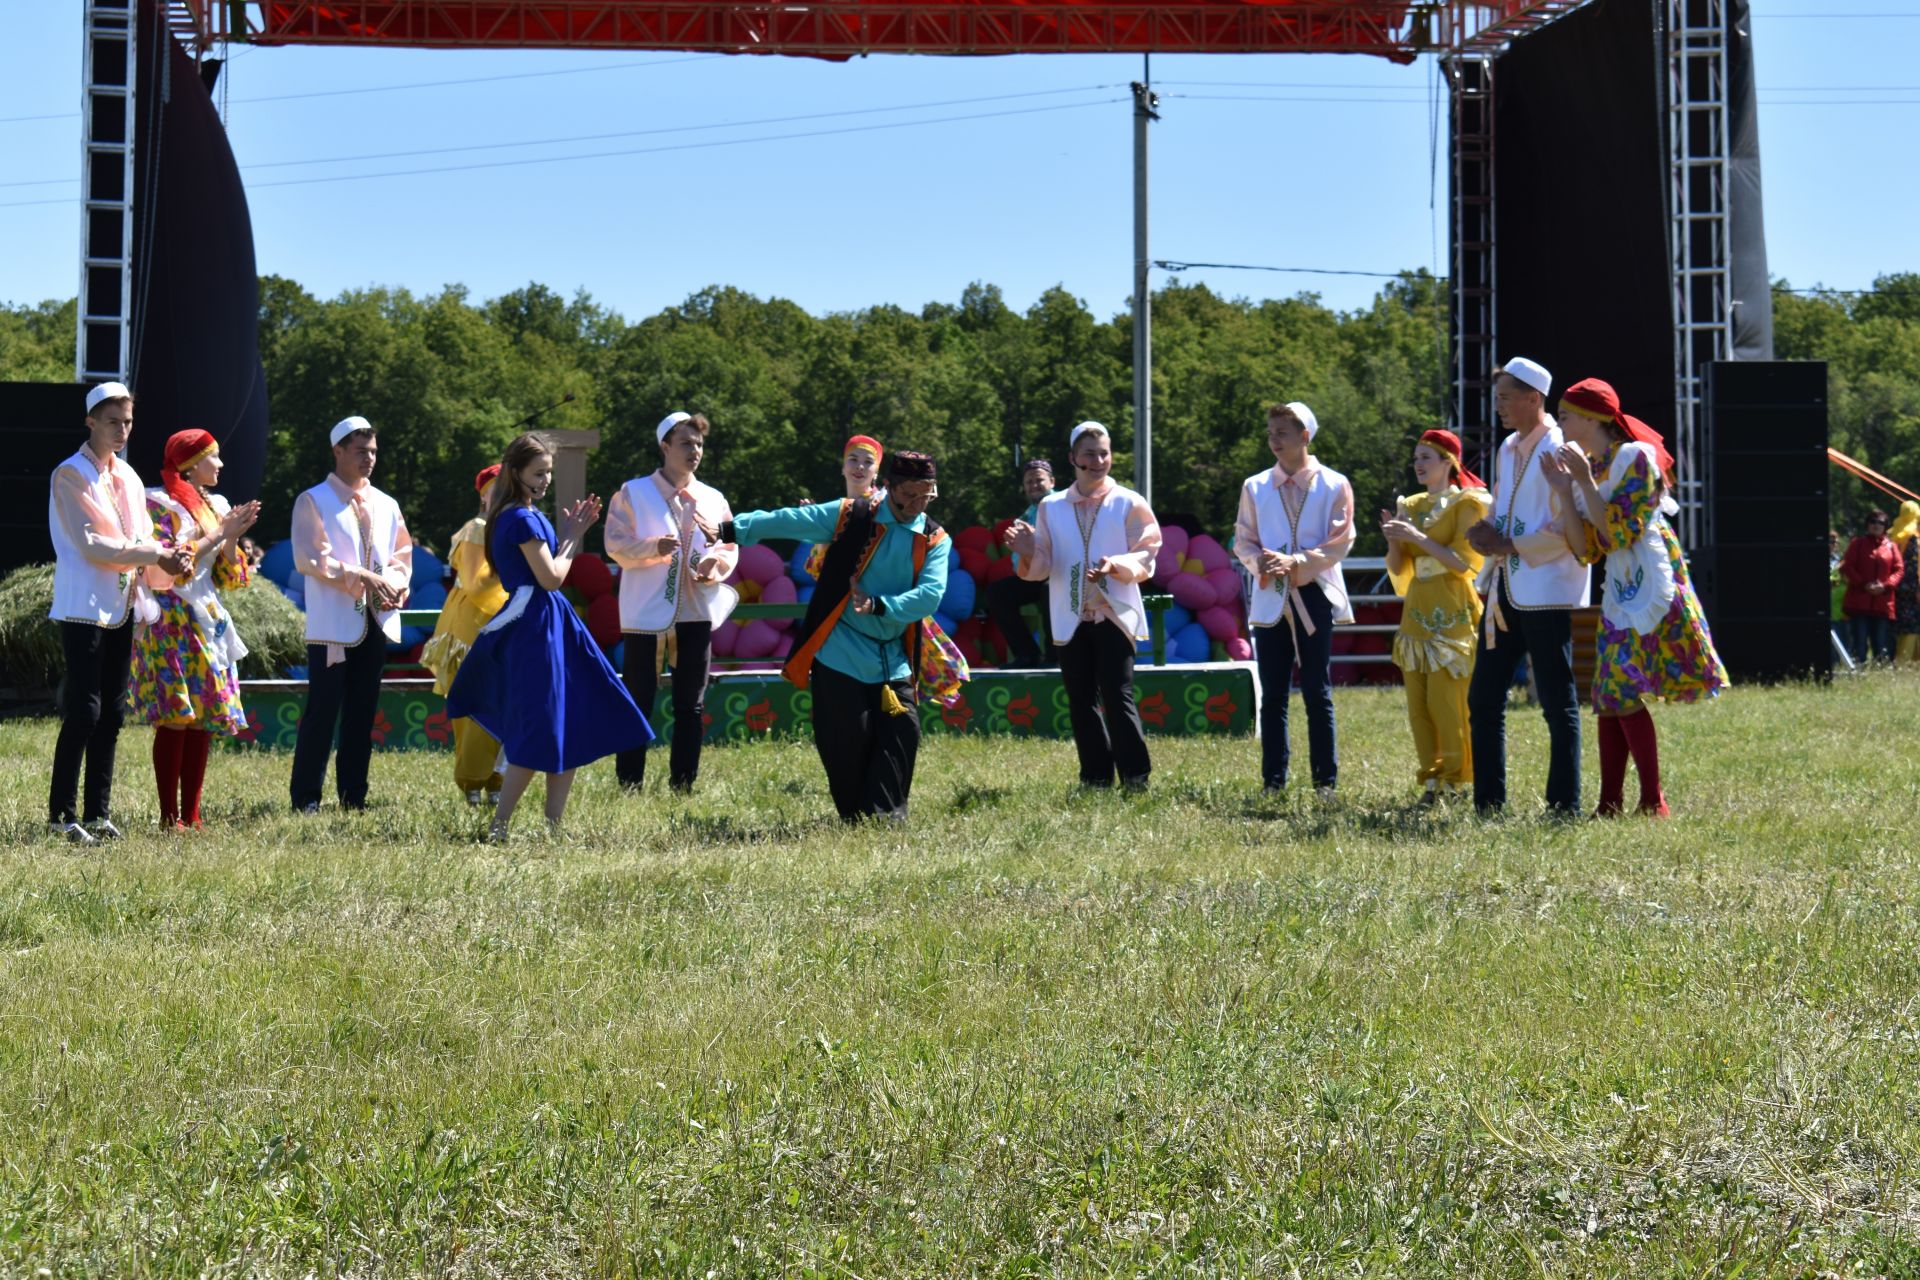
1218, 623
762, 564
780, 591
1226, 587
1192, 591
1209, 553
785, 650
725, 637
1173, 543
757, 640
1239, 649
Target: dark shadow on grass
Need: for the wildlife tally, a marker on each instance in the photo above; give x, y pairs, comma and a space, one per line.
968, 798
726, 829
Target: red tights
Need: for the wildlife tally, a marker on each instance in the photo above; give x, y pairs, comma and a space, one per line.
1621, 737
180, 769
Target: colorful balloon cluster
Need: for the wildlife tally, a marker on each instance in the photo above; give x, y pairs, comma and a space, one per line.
1209, 598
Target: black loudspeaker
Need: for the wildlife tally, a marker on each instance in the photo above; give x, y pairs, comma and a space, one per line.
1762, 577
41, 425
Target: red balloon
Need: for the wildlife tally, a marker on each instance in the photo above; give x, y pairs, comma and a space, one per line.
975, 562
603, 621
1001, 568
1000, 528
972, 538
589, 576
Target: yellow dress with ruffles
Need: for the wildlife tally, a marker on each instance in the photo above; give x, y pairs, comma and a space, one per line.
1440, 610
476, 596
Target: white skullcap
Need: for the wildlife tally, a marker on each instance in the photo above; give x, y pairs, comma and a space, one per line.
668, 423
107, 391
346, 427
1530, 372
1308, 423
1073, 437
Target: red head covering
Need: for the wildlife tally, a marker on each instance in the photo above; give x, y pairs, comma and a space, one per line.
1598, 400
184, 451
485, 478
1447, 445
865, 442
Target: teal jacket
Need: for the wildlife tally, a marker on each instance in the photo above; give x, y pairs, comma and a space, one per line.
867, 647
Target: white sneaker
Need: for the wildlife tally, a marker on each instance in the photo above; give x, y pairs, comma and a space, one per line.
103, 829
476, 797
71, 831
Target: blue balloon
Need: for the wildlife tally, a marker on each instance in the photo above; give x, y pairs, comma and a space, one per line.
409, 637
962, 591
297, 672
947, 624
619, 656
427, 568
1190, 644
295, 591
428, 594
1176, 619
797, 566
277, 564
803, 592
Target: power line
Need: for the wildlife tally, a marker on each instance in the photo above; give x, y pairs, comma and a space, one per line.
423, 84
684, 146
1166, 265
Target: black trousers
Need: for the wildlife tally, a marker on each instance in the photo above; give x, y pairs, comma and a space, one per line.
693, 654
346, 695
90, 700
1005, 599
1097, 663
1276, 649
868, 754
1545, 638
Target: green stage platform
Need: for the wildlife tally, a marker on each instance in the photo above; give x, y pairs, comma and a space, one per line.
1188, 699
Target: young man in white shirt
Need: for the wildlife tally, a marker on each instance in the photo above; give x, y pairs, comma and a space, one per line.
351, 542
102, 539
1532, 583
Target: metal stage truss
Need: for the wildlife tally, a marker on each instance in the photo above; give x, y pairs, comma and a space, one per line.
103, 336
1399, 29
1472, 317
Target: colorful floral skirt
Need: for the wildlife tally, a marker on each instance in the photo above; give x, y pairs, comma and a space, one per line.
175, 681
1675, 661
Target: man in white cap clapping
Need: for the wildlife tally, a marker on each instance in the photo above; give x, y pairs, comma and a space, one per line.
351, 541
102, 540
671, 586
1532, 583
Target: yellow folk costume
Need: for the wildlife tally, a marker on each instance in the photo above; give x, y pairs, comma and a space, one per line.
1439, 615
476, 596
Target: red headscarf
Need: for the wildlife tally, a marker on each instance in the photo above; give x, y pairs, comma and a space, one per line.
486, 477
1447, 445
184, 451
1598, 400
869, 444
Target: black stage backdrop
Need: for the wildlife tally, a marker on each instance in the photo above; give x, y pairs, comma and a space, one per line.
1580, 167
195, 351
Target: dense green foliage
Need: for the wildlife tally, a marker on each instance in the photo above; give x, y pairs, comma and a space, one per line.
446, 378
1200, 1032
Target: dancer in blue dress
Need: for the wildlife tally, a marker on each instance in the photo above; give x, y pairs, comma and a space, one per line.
534, 678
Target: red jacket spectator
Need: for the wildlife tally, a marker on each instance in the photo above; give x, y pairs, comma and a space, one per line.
1871, 560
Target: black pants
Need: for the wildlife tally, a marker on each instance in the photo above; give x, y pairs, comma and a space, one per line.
693, 652
347, 695
91, 695
1276, 649
1545, 638
868, 754
1097, 662
1005, 599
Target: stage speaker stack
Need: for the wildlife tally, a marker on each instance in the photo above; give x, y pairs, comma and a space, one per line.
1762, 576
41, 424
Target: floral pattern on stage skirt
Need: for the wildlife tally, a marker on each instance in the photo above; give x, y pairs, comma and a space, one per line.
175, 683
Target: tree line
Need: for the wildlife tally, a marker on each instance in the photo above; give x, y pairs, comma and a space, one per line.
974, 382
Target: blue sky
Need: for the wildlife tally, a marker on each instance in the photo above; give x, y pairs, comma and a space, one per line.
1289, 161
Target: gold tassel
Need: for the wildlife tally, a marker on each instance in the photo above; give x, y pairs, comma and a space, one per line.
890, 701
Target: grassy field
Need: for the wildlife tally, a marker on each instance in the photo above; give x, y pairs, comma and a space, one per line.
1035, 1033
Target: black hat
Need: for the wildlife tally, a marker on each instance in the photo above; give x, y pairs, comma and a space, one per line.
908, 465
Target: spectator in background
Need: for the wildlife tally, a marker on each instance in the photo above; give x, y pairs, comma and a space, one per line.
1007, 597
1905, 537
1872, 570
252, 555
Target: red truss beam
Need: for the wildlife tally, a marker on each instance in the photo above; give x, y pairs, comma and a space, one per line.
1397, 29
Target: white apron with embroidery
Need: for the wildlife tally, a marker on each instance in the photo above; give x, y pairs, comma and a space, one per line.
1640, 586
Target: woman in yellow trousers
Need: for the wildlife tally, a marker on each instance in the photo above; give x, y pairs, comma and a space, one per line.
475, 598
1432, 568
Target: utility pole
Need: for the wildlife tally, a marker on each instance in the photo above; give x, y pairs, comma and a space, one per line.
1144, 102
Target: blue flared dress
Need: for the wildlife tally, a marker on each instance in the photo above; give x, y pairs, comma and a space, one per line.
534, 678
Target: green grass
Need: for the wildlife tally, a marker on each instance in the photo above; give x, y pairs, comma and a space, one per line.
1034, 1034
